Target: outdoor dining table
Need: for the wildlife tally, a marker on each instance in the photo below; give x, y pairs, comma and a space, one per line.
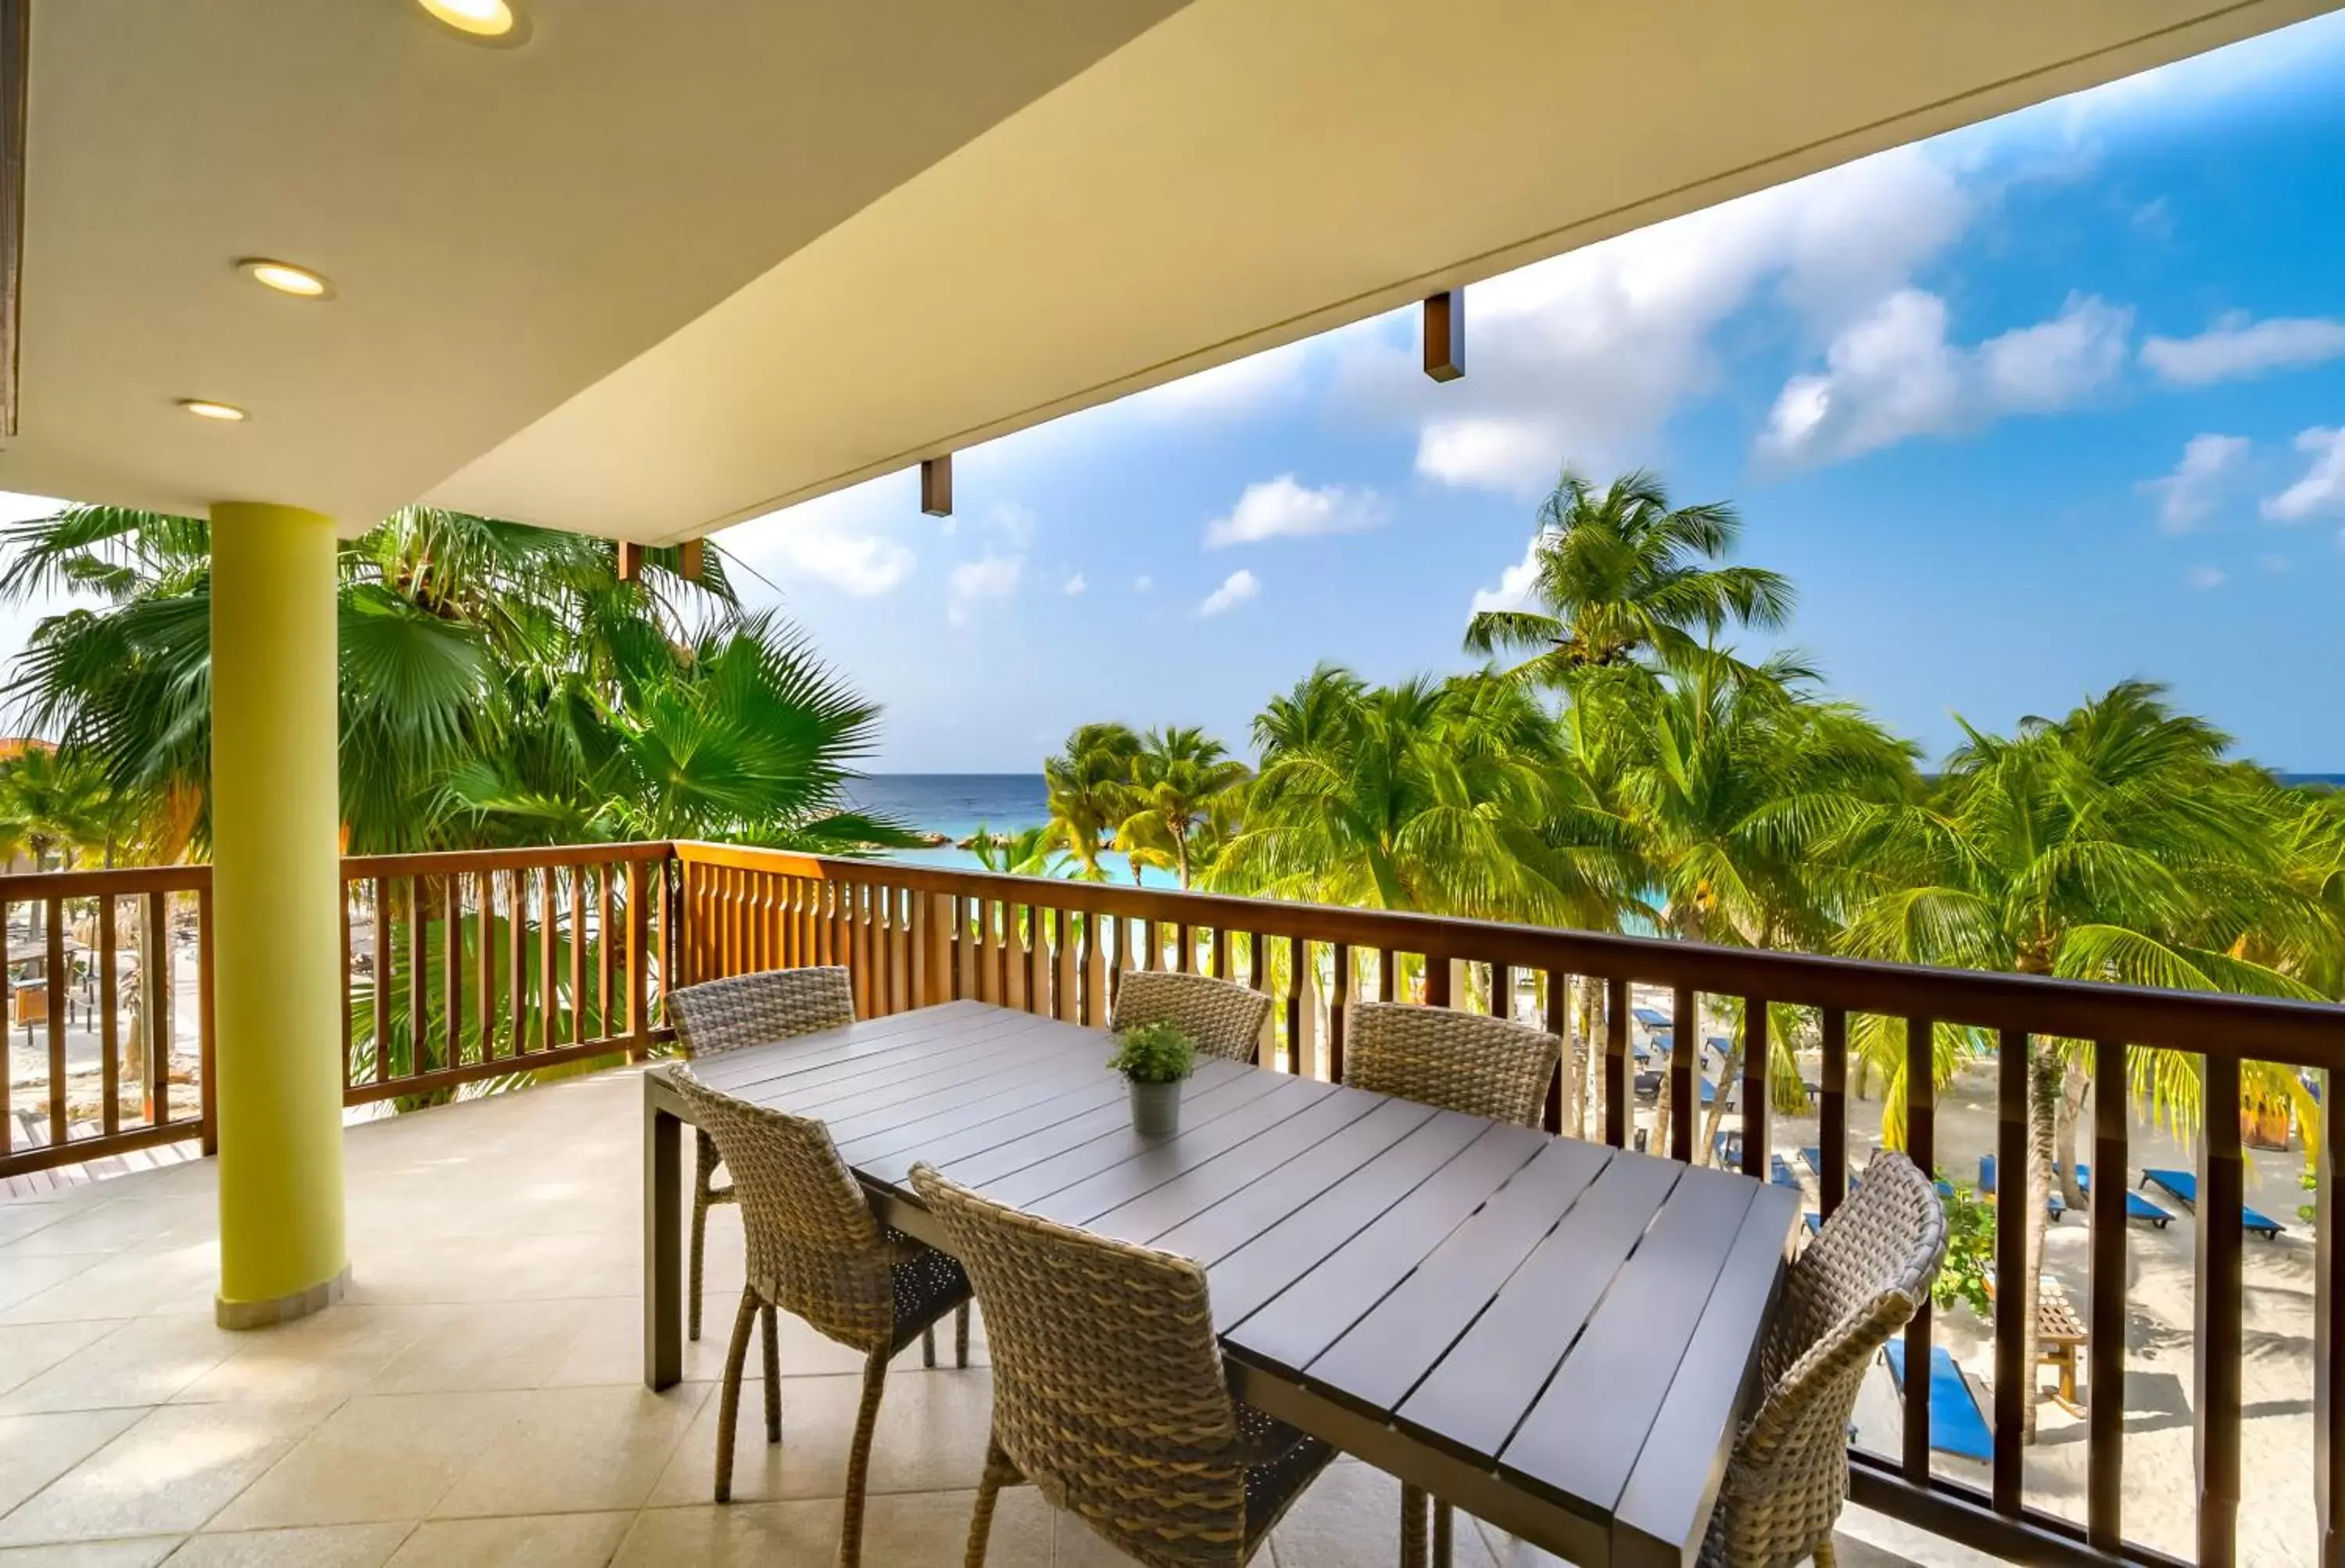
1557, 1336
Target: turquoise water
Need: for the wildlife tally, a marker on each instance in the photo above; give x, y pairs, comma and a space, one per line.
958, 804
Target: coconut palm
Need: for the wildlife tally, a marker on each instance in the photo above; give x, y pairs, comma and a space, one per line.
1618, 574
1030, 852
1180, 777
1091, 786
2112, 843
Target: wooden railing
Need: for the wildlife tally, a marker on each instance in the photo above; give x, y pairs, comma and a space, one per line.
912, 936
121, 960
479, 964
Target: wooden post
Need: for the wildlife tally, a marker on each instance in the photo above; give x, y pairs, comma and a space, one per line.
1445, 335
692, 559
936, 485
631, 561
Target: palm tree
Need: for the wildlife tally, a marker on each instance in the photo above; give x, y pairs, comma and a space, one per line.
2113, 843
1090, 787
1030, 852
1618, 574
1179, 778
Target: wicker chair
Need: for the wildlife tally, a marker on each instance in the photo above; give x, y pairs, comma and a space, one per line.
1460, 1061
720, 1015
1859, 1282
1225, 1020
815, 1248
1108, 1394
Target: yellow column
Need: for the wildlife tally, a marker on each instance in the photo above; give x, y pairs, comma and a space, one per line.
276, 881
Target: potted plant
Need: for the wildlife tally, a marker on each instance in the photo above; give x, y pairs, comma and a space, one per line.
1155, 1059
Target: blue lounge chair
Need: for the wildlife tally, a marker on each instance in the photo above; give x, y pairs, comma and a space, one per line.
1718, 1043
1816, 1158
2136, 1206
2184, 1186
1815, 1223
1648, 1018
1780, 1171
1956, 1424
2054, 1204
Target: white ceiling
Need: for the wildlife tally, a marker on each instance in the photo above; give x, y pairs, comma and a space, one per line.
673, 263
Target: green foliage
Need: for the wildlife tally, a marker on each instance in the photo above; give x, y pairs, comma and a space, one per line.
1969, 1269
1157, 1052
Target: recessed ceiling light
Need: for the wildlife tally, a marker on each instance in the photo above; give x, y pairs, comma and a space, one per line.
286, 278
482, 21
205, 408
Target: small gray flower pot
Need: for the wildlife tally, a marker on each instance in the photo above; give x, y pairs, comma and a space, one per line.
1156, 1108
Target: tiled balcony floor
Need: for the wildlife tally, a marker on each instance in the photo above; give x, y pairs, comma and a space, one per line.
478, 1399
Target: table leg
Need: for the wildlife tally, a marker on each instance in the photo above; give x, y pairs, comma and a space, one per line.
663, 1245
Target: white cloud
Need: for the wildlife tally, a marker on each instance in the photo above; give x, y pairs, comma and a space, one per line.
2204, 577
1280, 508
2236, 347
1514, 589
2322, 488
1073, 585
1894, 374
2186, 498
1143, 583
838, 540
1587, 355
2276, 563
1243, 386
1011, 522
989, 576
1236, 589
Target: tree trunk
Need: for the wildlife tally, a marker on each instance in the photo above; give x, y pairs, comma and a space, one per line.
1659, 1143
2064, 1134
1584, 1053
1728, 1076
2044, 1068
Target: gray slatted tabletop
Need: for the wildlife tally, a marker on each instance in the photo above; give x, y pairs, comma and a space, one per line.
1553, 1335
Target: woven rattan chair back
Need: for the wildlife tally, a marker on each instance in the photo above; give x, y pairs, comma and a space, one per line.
1225, 1020
1458, 1061
1107, 1387
813, 1244
1860, 1281
718, 1015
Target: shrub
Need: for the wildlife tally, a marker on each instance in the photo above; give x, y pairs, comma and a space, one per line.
1970, 1252
1154, 1053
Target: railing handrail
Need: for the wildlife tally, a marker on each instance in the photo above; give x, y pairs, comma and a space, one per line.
96, 882
441, 862
2299, 1033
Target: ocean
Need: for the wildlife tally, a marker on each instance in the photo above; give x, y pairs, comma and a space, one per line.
958, 804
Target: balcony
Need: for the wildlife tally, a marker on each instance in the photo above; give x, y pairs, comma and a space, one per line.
484, 1368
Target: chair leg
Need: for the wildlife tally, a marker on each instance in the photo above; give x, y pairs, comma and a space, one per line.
998, 1469
699, 1249
858, 1459
1445, 1521
773, 1375
928, 1346
1826, 1556
960, 1335
728, 1401
1412, 1528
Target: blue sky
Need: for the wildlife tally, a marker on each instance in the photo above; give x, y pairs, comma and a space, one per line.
2023, 410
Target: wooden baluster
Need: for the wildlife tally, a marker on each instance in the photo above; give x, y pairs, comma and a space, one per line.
992, 986
2015, 1381
1093, 1010
577, 955
1920, 1146
109, 1045
1221, 953
517, 959
966, 984
1188, 938
1388, 975
484, 955
1149, 953
1339, 1000
1436, 981
1833, 1114
1685, 1073
7, 1073
154, 981
206, 1027
1615, 1061
451, 964
606, 978
1298, 1010
899, 950
419, 967
349, 983
1069, 982
1755, 1106
2222, 1195
639, 959
54, 983
2106, 1368
547, 984
383, 980
1558, 1024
